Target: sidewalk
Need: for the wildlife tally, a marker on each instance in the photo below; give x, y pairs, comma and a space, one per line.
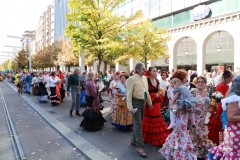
107, 143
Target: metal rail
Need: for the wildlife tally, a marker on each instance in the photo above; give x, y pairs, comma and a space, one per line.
18, 151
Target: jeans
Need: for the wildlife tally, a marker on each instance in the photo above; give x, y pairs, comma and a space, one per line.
137, 121
81, 97
75, 92
28, 85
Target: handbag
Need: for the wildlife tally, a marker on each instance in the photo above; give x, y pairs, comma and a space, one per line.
121, 101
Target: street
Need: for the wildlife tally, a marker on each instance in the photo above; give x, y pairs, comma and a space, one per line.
107, 142
37, 137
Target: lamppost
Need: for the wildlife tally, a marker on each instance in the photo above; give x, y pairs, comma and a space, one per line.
29, 48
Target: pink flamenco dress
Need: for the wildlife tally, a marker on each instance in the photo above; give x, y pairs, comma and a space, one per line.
154, 128
199, 134
229, 149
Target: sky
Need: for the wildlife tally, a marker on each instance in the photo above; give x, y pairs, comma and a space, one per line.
16, 16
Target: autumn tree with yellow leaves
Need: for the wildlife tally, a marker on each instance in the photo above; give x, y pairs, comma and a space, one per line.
144, 42
46, 57
67, 53
95, 28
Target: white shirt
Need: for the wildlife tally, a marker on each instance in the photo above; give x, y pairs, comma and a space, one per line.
164, 84
35, 80
159, 77
51, 81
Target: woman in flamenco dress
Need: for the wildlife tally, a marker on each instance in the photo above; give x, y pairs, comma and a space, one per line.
153, 126
178, 145
93, 119
199, 133
229, 149
215, 133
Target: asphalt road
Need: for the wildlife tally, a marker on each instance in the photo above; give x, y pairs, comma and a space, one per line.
6, 151
39, 140
111, 141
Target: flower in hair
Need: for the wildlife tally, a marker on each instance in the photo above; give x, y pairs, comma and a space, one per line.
147, 73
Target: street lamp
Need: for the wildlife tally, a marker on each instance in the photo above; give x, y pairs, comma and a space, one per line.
8, 52
12, 46
29, 48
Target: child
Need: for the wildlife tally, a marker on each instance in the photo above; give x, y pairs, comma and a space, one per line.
181, 100
20, 86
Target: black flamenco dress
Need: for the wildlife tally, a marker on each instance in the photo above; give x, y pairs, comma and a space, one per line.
93, 119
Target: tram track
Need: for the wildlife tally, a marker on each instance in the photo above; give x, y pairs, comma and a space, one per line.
17, 148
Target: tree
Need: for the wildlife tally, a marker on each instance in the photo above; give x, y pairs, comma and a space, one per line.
95, 28
67, 53
22, 59
144, 42
6, 65
46, 57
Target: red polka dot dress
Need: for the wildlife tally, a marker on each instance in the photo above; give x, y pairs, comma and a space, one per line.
229, 149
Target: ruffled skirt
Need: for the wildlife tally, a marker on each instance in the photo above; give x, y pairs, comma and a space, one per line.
230, 147
122, 119
92, 120
154, 130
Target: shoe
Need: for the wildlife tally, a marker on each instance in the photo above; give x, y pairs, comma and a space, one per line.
78, 114
71, 113
134, 143
171, 126
141, 152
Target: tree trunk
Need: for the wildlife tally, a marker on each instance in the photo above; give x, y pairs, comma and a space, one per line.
145, 61
105, 66
98, 66
68, 68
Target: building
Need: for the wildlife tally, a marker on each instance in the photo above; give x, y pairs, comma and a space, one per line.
204, 33
25, 41
60, 10
45, 28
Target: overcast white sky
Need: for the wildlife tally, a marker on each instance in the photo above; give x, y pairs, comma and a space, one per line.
16, 16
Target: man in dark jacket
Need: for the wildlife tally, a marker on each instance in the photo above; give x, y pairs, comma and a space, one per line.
74, 84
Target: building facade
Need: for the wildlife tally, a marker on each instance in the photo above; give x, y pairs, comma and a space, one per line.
45, 29
25, 42
204, 33
60, 10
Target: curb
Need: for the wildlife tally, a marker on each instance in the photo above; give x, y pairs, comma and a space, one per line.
76, 140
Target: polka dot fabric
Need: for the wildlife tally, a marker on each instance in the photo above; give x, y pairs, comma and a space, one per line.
229, 149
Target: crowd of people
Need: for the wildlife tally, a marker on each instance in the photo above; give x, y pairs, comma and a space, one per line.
163, 108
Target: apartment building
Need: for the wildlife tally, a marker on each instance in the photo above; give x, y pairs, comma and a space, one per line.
45, 29
25, 41
61, 9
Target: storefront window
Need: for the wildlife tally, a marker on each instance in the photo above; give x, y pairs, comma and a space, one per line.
181, 18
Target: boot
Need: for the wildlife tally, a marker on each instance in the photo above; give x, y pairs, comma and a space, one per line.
78, 114
71, 113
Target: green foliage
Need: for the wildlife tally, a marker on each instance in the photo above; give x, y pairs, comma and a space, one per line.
21, 60
99, 31
46, 57
145, 42
67, 53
